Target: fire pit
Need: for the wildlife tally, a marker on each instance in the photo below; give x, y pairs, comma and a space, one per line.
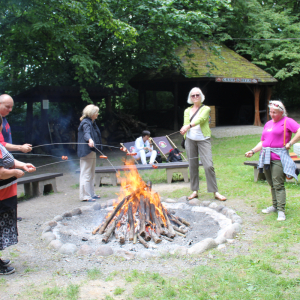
139, 220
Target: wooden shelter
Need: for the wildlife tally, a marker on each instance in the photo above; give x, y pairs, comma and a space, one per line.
237, 88
66, 94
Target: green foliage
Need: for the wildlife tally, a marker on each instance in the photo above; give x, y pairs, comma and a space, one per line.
64, 42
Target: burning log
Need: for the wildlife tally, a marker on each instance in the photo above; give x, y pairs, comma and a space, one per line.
109, 231
131, 222
155, 219
142, 217
184, 221
172, 233
102, 227
147, 207
142, 241
155, 237
183, 232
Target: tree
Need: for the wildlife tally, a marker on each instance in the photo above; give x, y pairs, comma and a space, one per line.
66, 42
267, 33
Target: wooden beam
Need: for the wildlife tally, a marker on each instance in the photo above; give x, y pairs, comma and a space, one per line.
176, 106
257, 121
268, 98
29, 123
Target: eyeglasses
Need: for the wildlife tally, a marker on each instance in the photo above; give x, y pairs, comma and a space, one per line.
195, 95
276, 105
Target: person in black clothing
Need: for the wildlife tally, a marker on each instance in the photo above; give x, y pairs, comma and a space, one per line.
89, 137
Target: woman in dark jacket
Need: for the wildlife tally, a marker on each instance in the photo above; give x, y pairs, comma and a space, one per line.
88, 137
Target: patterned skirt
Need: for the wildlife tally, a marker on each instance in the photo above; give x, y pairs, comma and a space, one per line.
8, 229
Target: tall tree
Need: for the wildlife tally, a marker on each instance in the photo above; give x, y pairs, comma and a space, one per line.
68, 42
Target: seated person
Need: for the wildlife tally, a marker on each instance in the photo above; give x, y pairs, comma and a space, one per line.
144, 149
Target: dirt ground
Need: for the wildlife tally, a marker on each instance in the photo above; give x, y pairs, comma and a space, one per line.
38, 267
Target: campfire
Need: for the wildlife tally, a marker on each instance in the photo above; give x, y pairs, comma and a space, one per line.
139, 215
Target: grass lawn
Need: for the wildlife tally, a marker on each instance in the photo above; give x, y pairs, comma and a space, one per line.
269, 271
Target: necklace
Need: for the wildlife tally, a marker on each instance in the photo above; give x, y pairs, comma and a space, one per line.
270, 129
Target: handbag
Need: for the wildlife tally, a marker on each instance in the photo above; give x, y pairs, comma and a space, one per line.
183, 139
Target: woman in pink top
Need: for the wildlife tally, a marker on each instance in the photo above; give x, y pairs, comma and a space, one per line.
272, 140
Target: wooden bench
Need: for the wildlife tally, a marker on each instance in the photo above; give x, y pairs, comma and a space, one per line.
171, 168
257, 175
36, 185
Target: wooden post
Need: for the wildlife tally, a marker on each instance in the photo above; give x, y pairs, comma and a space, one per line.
29, 123
176, 106
257, 121
108, 108
268, 98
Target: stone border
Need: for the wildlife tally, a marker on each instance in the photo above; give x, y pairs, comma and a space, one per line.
229, 222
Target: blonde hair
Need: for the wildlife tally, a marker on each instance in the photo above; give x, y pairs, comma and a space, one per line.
276, 104
202, 97
89, 111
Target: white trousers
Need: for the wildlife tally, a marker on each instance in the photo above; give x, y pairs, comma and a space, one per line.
87, 176
142, 155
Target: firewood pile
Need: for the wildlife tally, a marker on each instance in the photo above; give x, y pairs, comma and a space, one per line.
140, 215
121, 127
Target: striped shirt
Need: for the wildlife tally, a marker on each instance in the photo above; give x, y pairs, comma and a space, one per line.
289, 167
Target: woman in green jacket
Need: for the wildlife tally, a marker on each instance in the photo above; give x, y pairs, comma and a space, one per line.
197, 142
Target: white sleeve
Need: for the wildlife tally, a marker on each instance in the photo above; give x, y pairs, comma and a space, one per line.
139, 144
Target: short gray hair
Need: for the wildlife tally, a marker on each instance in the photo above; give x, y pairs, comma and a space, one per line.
89, 111
276, 104
201, 95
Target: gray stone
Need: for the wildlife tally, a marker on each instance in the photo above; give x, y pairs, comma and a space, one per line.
181, 250
97, 206
219, 208
213, 205
236, 219
52, 223
67, 248
126, 254
86, 209
206, 203
202, 246
221, 239
195, 202
229, 213
169, 200
224, 210
47, 229
76, 212
58, 218
55, 244
104, 251
85, 250
182, 199
48, 237
232, 230
67, 214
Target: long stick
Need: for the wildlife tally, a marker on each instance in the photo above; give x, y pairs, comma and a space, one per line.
102, 227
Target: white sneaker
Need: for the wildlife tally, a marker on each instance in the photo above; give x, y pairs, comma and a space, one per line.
281, 216
269, 210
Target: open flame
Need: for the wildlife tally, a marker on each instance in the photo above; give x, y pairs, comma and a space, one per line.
139, 213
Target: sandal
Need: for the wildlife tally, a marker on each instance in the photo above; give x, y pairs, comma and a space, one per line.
220, 197
193, 195
88, 200
96, 197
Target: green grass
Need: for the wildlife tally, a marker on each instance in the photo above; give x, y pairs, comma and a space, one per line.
94, 274
69, 293
269, 270
75, 186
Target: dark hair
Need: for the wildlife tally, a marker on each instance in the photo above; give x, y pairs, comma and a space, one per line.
146, 132
1, 121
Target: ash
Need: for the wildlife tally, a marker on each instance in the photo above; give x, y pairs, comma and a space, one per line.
78, 230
